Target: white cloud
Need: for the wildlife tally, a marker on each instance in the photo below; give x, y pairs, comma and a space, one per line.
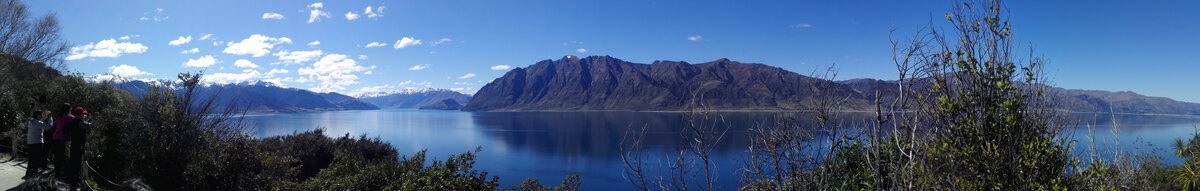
190, 51
351, 16
126, 70
801, 25
298, 56
126, 37
270, 15
204, 61
443, 40
232, 77
243, 63
419, 67
405, 42
378, 12
156, 15
375, 44
695, 38
362, 57
501, 67
105, 48
180, 41
276, 71
334, 72
581, 50
315, 13
256, 45
314, 43
468, 75
205, 36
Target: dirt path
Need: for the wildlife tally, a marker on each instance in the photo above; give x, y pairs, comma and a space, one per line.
11, 172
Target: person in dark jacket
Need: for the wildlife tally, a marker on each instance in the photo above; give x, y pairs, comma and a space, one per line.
78, 134
33, 139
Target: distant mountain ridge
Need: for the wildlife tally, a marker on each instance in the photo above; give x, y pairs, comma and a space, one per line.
254, 96
428, 98
1069, 99
606, 83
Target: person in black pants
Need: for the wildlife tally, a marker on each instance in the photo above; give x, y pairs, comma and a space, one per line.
58, 140
78, 131
37, 156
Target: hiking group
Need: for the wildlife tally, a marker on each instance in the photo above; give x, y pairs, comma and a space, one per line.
48, 137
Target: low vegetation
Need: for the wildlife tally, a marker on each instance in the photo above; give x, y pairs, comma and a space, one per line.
970, 115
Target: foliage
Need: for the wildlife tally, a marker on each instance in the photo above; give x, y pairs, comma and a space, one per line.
1188, 175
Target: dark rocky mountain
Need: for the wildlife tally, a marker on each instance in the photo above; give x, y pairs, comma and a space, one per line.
414, 98
446, 104
606, 83
256, 96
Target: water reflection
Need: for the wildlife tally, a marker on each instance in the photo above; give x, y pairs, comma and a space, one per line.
550, 145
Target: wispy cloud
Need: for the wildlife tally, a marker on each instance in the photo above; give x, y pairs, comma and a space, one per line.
106, 48
419, 67
405, 42
232, 77
315, 13
378, 12
440, 41
501, 67
256, 45
314, 44
801, 25
243, 63
270, 15
126, 70
351, 16
156, 16
468, 75
695, 38
581, 50
293, 57
180, 41
333, 72
375, 44
190, 51
203, 61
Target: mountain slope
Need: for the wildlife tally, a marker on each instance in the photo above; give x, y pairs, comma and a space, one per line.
606, 83
258, 96
414, 98
1068, 99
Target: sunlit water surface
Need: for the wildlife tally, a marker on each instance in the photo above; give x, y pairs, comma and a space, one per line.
551, 145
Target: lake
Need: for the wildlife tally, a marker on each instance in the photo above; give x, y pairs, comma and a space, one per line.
550, 145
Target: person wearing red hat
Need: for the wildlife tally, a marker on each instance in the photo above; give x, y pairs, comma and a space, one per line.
78, 134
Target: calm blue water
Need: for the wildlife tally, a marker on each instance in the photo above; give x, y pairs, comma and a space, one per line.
551, 145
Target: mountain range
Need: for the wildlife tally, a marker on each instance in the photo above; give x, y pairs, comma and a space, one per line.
261, 96
424, 98
606, 83
255, 96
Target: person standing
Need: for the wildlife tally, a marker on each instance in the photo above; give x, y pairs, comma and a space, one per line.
78, 130
59, 138
33, 139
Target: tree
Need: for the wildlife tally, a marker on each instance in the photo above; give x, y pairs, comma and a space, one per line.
991, 123
35, 39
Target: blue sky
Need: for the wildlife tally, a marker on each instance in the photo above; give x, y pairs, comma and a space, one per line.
1145, 47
